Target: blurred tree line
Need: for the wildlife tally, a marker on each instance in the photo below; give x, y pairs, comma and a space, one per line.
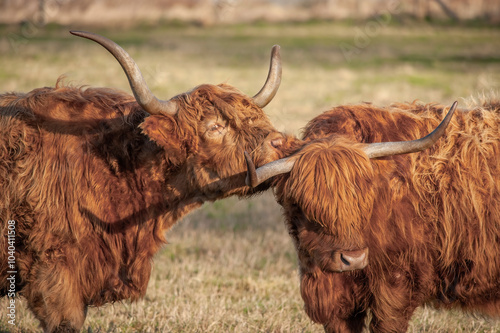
104, 12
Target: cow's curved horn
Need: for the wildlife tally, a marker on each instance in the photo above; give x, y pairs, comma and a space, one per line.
142, 94
373, 150
381, 149
270, 88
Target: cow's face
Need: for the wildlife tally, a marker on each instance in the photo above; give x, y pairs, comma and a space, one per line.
207, 135
205, 131
328, 198
231, 123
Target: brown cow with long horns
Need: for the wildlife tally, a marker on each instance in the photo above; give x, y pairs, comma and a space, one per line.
383, 232
91, 179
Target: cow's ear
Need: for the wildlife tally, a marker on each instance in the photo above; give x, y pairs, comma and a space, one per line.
163, 130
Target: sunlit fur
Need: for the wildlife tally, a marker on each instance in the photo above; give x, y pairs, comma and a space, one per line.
431, 220
94, 183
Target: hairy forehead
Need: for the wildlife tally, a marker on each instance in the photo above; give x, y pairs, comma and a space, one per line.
331, 184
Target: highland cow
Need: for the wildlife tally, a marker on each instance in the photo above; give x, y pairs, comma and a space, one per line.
91, 179
383, 233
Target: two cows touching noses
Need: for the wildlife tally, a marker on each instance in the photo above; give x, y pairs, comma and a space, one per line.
95, 177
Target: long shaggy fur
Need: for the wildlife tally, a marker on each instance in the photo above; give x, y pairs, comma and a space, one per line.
431, 220
93, 184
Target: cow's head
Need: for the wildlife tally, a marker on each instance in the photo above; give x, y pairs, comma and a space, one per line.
204, 131
328, 190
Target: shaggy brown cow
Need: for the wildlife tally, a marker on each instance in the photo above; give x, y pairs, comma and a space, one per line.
90, 182
388, 234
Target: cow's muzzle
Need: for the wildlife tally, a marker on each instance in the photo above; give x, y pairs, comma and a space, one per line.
344, 260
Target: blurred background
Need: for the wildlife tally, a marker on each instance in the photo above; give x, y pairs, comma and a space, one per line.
206, 12
231, 266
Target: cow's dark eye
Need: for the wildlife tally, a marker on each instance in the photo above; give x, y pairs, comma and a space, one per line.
215, 127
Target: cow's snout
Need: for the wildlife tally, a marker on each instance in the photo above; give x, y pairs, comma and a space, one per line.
350, 260
275, 140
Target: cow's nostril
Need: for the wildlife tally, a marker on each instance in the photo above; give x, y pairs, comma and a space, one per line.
344, 260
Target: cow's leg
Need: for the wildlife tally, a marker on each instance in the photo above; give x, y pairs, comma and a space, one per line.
55, 299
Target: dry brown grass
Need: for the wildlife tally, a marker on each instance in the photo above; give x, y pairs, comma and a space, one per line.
231, 266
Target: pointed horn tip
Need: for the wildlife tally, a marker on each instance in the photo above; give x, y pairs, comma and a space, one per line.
453, 107
273, 80
449, 115
251, 178
276, 55
89, 35
80, 33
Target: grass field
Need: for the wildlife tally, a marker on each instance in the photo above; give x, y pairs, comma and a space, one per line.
230, 266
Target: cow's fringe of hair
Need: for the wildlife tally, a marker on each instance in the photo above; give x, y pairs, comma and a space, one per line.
339, 173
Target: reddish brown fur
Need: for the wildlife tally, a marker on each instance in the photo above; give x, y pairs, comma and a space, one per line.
431, 220
93, 184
